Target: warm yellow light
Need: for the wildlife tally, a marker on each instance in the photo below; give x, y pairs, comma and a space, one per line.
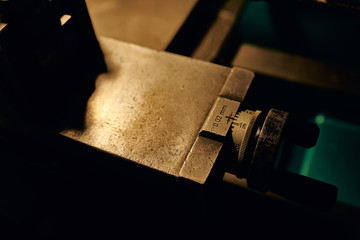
2, 26
64, 19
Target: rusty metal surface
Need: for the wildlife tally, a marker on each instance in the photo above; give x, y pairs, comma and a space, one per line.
150, 106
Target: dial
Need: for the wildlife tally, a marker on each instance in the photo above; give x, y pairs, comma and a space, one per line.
241, 129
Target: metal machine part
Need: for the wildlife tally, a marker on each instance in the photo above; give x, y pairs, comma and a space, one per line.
176, 122
256, 137
170, 113
157, 119
154, 108
150, 107
263, 159
268, 139
242, 127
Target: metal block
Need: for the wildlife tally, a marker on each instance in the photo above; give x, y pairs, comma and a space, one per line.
226, 106
150, 106
201, 159
237, 84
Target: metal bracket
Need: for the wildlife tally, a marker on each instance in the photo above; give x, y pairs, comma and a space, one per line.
203, 154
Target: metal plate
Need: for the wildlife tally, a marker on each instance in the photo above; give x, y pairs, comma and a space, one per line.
150, 23
150, 106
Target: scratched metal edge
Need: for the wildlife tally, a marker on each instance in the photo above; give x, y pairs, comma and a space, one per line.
200, 160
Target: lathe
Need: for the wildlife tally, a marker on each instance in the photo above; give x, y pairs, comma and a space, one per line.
109, 138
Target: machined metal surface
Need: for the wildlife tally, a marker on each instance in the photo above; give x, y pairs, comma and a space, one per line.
264, 157
150, 23
221, 116
217, 124
237, 84
241, 130
150, 106
297, 69
213, 42
227, 104
201, 159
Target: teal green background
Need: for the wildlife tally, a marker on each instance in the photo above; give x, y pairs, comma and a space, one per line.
335, 158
